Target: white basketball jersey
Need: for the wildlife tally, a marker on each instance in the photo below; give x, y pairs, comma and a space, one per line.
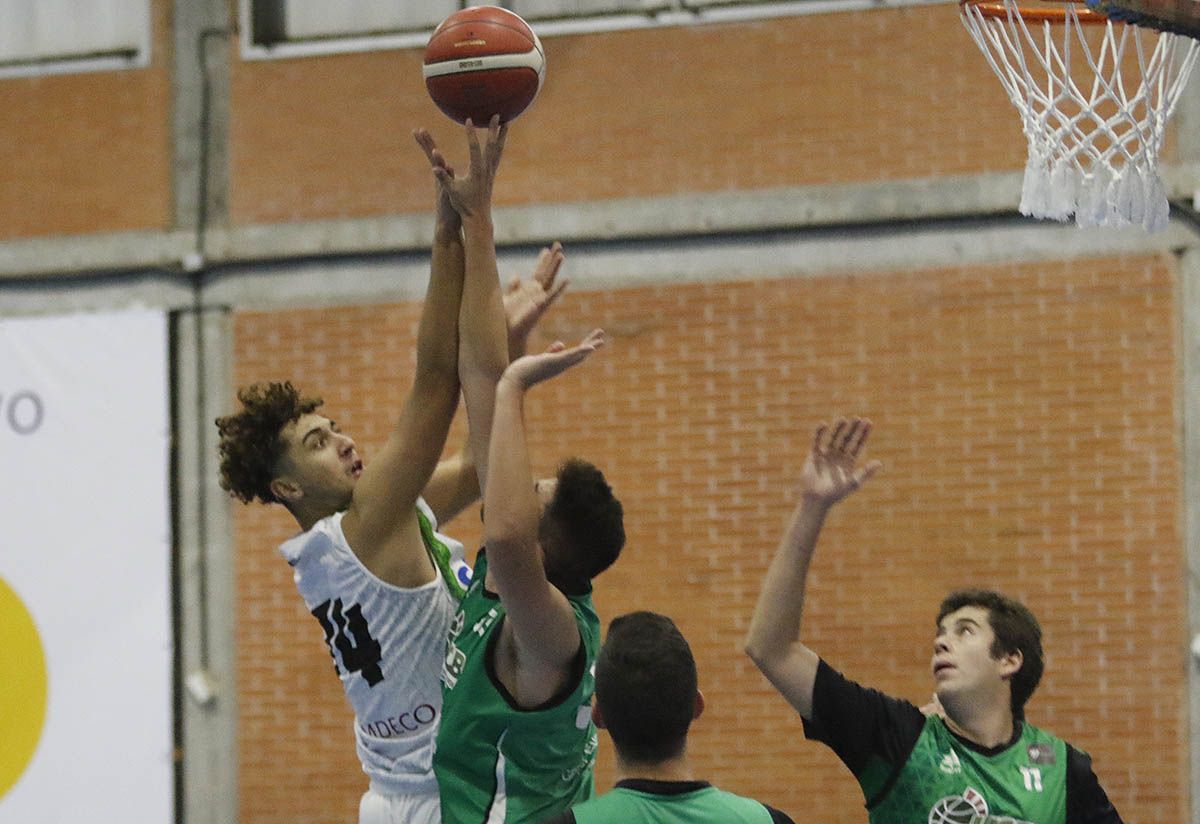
387, 645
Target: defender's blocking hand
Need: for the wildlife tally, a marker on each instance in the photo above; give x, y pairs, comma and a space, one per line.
525, 301
558, 358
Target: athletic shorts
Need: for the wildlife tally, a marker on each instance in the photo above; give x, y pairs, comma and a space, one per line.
376, 808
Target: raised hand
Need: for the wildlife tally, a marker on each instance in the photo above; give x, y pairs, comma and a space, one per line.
442, 171
558, 358
470, 195
832, 471
525, 301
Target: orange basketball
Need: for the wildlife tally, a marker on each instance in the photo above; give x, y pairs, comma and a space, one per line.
483, 61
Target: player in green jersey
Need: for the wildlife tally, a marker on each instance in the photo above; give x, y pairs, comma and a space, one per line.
979, 762
647, 697
516, 742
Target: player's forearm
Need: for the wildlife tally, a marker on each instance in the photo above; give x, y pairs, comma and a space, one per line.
437, 333
484, 333
447, 227
775, 628
511, 509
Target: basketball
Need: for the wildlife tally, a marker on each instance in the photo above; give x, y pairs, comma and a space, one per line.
483, 61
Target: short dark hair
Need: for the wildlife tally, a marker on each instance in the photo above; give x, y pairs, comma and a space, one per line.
1016, 630
646, 687
251, 443
584, 523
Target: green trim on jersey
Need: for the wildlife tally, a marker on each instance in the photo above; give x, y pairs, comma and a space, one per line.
622, 806
945, 780
439, 553
497, 763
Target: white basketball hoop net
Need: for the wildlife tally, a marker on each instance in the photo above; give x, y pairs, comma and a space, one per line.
1093, 142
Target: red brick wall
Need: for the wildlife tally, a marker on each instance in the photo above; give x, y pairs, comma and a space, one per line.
88, 152
838, 98
887, 94
1025, 415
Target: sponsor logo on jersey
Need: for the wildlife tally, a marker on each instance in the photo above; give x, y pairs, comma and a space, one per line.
585, 763
968, 808
1041, 754
452, 667
950, 764
455, 659
482, 626
583, 716
403, 724
463, 573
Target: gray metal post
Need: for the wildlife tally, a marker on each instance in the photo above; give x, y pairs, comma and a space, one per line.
1189, 293
207, 659
202, 33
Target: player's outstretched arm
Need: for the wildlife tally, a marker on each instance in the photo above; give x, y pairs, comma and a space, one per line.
385, 495
455, 485
541, 617
830, 473
483, 332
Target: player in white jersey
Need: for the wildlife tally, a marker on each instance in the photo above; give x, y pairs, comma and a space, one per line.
369, 561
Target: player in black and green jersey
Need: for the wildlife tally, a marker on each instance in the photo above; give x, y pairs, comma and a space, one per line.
647, 697
977, 762
516, 742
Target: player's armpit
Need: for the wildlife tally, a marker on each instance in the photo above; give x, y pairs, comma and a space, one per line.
793, 673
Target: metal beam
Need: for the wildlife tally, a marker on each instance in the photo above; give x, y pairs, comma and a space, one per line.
207, 692
1189, 299
598, 265
681, 216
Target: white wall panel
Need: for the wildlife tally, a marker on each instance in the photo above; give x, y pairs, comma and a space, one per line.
85, 616
36, 30
310, 19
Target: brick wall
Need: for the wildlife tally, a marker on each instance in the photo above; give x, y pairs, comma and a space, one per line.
888, 94
1025, 415
836, 98
88, 152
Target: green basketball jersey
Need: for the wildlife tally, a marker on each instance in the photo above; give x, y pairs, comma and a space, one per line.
494, 761
946, 782
707, 805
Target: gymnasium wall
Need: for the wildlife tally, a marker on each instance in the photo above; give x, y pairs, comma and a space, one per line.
89, 152
885, 95
829, 98
1025, 418
1026, 414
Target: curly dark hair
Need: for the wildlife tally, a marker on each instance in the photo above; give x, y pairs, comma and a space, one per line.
584, 521
646, 687
251, 445
1016, 630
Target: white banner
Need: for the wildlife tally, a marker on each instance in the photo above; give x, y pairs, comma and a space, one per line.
85, 621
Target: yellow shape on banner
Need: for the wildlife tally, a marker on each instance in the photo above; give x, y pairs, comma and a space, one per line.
22, 689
